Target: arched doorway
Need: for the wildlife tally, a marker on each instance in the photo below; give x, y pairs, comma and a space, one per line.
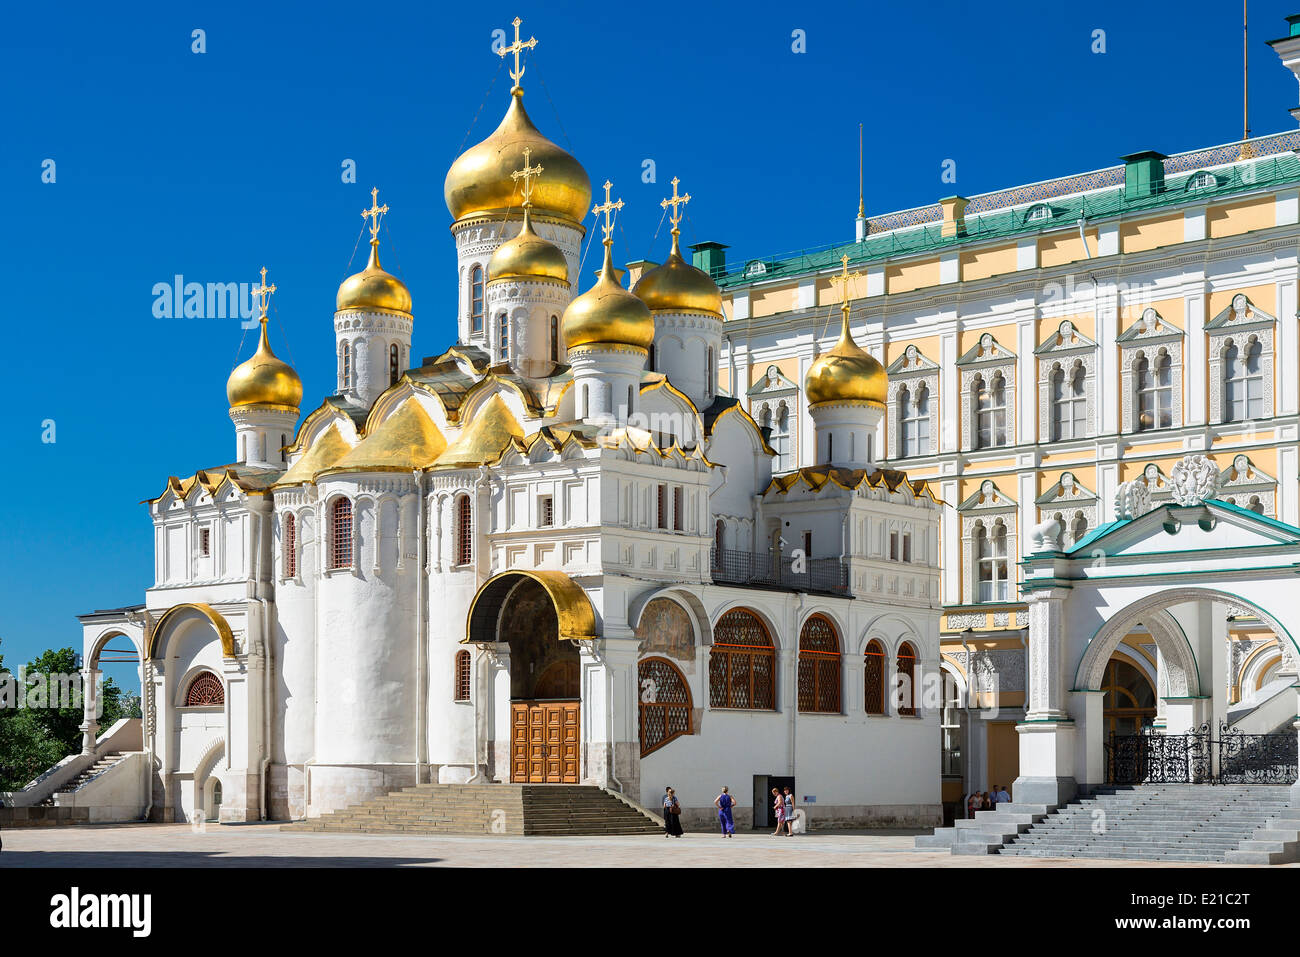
540, 617
1128, 699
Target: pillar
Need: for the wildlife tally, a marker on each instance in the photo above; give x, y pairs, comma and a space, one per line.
90, 709
1047, 735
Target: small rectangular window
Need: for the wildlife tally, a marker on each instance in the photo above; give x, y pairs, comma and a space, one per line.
807, 544
893, 546
907, 547
679, 507
663, 507
545, 511
205, 542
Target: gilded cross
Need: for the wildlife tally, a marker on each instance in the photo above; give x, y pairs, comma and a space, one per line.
373, 213
675, 216
845, 277
263, 292
517, 48
528, 172
609, 206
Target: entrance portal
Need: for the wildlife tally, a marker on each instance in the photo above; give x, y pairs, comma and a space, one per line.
544, 742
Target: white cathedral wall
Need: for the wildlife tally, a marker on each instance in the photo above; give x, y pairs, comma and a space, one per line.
863, 769
366, 693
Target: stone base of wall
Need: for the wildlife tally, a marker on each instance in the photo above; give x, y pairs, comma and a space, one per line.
821, 817
42, 816
335, 787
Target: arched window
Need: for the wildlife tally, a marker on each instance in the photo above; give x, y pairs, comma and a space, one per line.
719, 542
290, 546
464, 531
631, 395
1078, 528
394, 364
991, 562
555, 339
650, 359
781, 439
1069, 403
665, 703
819, 667
874, 678
341, 533
914, 414
476, 298
1243, 382
503, 337
990, 402
1155, 393
1255, 505
708, 373
284, 440
345, 366
742, 664
906, 679
462, 675
205, 691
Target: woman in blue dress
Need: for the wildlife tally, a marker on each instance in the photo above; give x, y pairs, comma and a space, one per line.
724, 802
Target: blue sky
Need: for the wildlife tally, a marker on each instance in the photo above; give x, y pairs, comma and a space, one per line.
212, 165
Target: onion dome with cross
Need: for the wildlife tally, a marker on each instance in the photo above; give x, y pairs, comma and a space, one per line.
373, 289
676, 285
264, 379
480, 181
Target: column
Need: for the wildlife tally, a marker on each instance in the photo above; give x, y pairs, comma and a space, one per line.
1047, 735
90, 709
1196, 364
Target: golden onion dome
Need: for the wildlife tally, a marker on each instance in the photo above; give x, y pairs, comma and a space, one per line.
264, 380
607, 314
677, 286
373, 290
528, 256
480, 181
846, 373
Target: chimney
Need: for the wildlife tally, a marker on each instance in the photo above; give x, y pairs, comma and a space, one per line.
1144, 174
1288, 48
635, 270
954, 215
710, 258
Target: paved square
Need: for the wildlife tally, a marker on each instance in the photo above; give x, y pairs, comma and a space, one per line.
265, 845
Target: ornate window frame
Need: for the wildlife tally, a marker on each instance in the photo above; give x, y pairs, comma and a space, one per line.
986, 359
1238, 323
1062, 349
1147, 335
769, 394
1242, 480
985, 508
911, 370
1068, 498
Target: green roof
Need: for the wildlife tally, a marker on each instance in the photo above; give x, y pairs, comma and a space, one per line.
1269, 172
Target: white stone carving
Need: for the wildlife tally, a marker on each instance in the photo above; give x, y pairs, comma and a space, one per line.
1194, 479
1132, 499
1045, 536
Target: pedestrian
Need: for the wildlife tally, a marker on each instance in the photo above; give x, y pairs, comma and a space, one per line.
788, 798
778, 808
724, 802
672, 814
972, 804
986, 802
1004, 796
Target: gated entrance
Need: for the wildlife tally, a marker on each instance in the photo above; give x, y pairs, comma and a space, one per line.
1201, 757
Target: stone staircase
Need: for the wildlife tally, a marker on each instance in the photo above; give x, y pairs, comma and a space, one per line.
100, 766
519, 809
1235, 824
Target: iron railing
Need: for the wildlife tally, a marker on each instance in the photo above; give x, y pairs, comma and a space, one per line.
1202, 757
772, 570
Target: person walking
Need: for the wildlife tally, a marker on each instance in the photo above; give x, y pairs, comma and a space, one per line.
788, 799
778, 808
724, 802
672, 814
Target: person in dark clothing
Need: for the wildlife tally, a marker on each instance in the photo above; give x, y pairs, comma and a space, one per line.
672, 814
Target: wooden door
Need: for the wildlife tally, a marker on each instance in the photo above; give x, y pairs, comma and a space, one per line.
544, 742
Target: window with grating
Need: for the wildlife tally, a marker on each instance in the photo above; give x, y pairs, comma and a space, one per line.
290, 546
462, 675
394, 365
546, 511
663, 506
476, 298
205, 690
555, 339
874, 680
205, 542
742, 663
679, 507
464, 532
341, 534
345, 366
906, 674
819, 667
665, 703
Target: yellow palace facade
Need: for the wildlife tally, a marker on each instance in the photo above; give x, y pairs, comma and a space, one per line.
1044, 344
